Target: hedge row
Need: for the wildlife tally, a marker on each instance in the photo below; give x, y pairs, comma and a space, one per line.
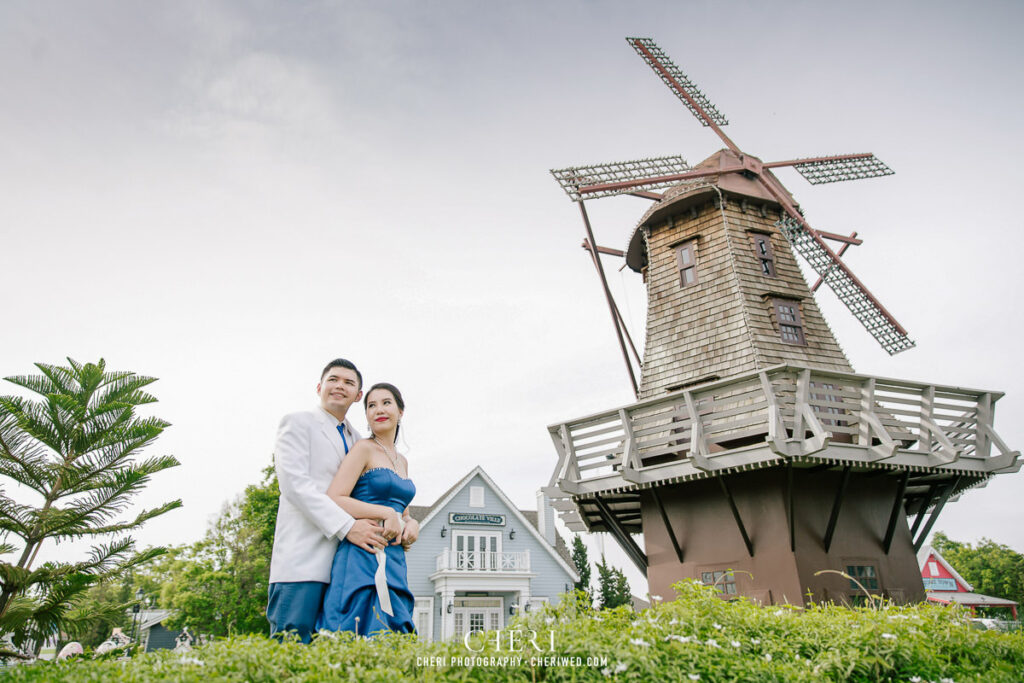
697, 637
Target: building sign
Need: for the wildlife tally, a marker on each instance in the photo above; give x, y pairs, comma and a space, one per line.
476, 518
939, 584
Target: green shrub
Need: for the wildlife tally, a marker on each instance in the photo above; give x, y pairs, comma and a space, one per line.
696, 637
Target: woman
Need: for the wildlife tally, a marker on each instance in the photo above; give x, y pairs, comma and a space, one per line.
369, 592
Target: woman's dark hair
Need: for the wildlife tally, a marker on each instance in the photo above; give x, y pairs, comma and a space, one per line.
399, 401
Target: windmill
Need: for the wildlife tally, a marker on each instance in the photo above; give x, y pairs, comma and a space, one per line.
749, 414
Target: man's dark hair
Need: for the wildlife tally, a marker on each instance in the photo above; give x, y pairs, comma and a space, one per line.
342, 363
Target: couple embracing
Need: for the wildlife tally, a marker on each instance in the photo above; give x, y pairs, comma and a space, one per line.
342, 522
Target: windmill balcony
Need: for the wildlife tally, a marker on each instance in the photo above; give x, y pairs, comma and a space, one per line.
476, 561
785, 414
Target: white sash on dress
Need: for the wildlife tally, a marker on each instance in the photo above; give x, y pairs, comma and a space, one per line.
380, 577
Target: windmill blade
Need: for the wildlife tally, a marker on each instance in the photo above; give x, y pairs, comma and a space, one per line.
573, 178
836, 169
871, 314
670, 74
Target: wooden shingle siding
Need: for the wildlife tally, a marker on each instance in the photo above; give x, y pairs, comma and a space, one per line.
725, 324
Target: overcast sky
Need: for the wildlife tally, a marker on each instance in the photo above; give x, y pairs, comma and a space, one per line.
227, 195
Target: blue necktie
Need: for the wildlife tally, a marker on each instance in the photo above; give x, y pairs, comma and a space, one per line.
341, 430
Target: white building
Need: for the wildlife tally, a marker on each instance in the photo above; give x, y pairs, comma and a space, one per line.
479, 559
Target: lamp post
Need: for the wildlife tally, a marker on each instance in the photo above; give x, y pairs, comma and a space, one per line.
136, 619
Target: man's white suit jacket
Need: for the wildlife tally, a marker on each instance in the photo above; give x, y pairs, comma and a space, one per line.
307, 455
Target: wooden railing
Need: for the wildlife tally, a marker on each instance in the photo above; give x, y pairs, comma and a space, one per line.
794, 411
478, 560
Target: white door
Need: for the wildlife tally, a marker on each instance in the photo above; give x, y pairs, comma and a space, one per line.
477, 614
476, 549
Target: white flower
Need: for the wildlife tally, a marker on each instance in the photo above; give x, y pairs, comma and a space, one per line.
681, 639
716, 626
549, 620
620, 667
734, 643
889, 636
673, 622
767, 656
191, 660
779, 612
639, 641
655, 598
946, 680
711, 642
915, 679
324, 633
335, 666
594, 618
755, 641
693, 677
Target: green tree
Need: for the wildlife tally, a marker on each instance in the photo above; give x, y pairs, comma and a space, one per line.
613, 588
582, 562
76, 450
992, 568
215, 586
218, 586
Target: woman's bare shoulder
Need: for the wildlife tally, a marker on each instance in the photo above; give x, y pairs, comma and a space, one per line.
363, 447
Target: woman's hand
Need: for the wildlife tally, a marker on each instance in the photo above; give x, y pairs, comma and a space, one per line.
392, 526
410, 533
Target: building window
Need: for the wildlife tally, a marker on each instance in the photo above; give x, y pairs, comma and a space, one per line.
476, 496
423, 618
764, 253
724, 581
865, 574
791, 329
933, 568
686, 260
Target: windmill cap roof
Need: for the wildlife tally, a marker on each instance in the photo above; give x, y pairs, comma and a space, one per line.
693, 192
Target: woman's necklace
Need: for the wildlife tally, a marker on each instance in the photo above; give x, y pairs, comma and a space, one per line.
392, 457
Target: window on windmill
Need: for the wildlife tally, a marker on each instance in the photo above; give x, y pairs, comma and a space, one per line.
787, 314
830, 395
724, 581
686, 260
764, 253
863, 573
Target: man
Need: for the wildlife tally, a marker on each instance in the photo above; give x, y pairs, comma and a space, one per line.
310, 447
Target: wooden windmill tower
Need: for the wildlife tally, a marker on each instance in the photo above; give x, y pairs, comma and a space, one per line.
753, 445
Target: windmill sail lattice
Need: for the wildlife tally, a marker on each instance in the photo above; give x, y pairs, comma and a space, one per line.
675, 79
574, 177
819, 171
851, 293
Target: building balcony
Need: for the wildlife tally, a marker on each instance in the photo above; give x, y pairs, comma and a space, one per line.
477, 562
942, 437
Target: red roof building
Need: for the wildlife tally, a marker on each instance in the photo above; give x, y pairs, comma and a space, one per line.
944, 585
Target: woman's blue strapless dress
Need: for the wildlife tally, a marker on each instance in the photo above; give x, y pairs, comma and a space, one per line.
352, 593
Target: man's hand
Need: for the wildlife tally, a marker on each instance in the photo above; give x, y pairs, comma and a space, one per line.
367, 534
411, 532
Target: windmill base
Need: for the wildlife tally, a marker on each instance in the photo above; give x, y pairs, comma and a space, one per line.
782, 568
